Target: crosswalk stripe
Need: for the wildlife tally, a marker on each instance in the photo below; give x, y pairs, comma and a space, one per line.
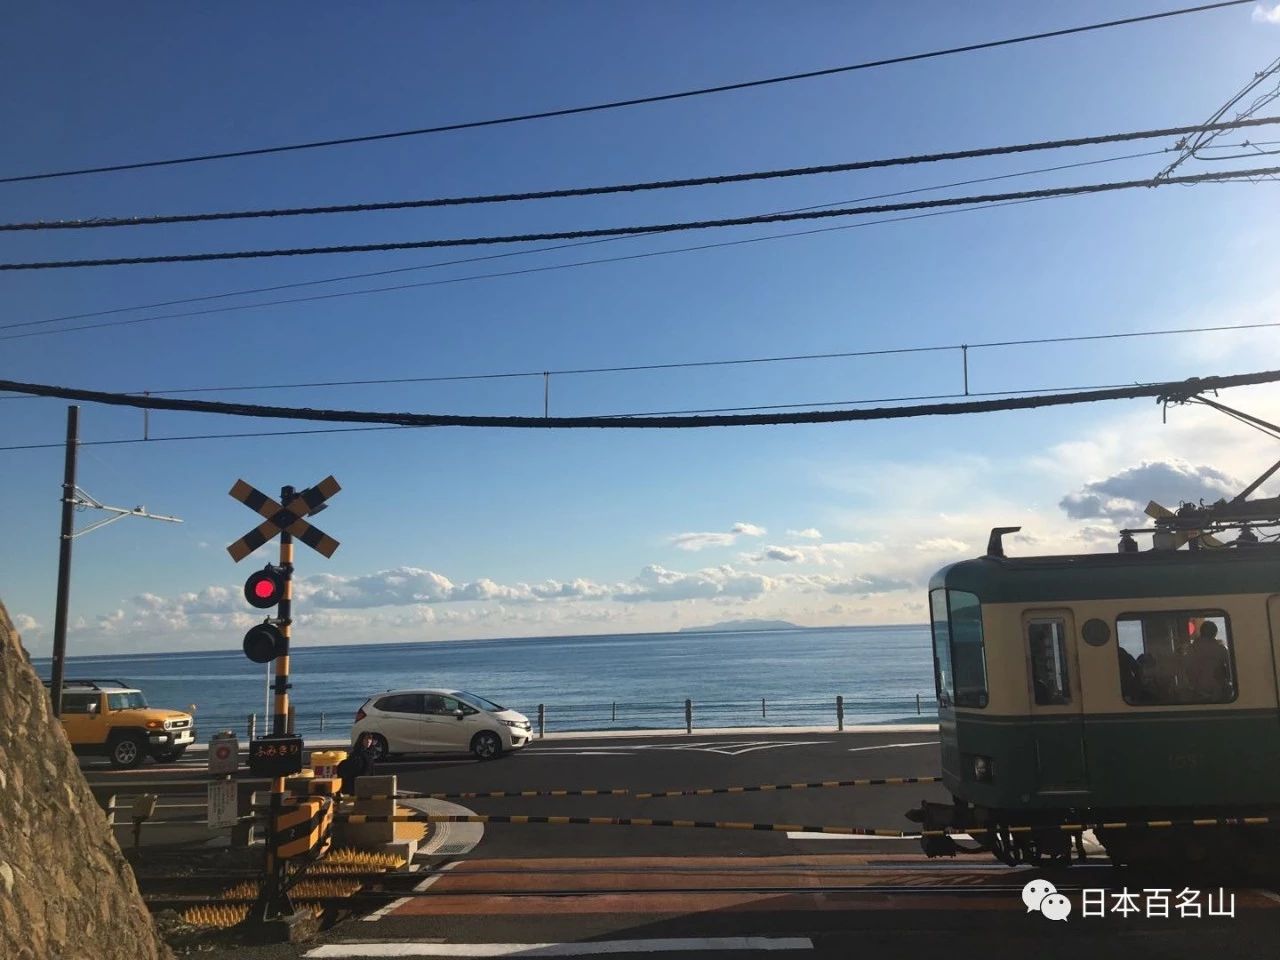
589, 948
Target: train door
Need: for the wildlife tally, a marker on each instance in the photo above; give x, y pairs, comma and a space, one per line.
1273, 618
1057, 724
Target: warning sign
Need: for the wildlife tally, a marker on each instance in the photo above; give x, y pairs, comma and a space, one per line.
224, 754
222, 804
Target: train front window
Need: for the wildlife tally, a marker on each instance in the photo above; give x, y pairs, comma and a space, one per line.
1047, 642
1176, 656
968, 652
943, 681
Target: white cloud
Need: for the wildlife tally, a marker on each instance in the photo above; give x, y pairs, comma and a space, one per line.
1122, 497
656, 583
1262, 15
867, 584
26, 623
785, 554
808, 533
701, 541
943, 545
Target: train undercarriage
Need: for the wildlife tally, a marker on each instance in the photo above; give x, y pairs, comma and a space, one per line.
1237, 841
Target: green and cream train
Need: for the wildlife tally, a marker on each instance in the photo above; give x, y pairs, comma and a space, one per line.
1140, 686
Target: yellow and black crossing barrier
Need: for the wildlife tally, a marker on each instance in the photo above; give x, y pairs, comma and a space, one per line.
767, 787
653, 794
808, 828
499, 794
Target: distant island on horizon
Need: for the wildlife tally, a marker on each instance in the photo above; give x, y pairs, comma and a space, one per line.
728, 626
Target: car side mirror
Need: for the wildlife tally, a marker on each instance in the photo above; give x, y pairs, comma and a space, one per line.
459, 713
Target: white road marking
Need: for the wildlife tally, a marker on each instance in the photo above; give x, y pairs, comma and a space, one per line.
588, 948
890, 746
728, 749
425, 884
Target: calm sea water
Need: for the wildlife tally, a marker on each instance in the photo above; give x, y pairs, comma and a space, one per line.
878, 670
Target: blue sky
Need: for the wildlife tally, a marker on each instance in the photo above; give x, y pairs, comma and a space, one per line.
453, 533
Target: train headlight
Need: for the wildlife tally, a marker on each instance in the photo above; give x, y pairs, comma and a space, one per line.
982, 769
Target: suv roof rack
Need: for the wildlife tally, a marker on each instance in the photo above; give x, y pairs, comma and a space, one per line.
94, 684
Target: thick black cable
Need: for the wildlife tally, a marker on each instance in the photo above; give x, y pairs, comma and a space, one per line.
657, 228
636, 101
562, 246
495, 275
718, 180
1180, 388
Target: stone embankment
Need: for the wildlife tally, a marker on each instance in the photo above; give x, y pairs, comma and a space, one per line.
66, 891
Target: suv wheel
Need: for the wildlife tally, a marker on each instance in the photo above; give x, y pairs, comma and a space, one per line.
486, 745
126, 752
168, 756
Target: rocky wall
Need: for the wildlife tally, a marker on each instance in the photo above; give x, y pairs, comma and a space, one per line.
66, 892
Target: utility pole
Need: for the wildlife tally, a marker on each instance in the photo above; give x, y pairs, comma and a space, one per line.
73, 497
64, 560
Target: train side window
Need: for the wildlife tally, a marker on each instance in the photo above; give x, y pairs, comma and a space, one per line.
1047, 642
1176, 656
943, 681
968, 651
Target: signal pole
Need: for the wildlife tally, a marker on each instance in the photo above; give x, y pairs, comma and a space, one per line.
275, 897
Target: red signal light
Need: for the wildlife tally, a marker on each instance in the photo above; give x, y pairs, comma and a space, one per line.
265, 588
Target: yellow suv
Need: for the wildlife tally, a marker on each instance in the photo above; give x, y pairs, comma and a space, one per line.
107, 717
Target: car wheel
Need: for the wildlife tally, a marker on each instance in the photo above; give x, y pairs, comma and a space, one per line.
126, 753
168, 756
380, 751
486, 745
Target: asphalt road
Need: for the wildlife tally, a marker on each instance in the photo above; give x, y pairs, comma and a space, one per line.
620, 889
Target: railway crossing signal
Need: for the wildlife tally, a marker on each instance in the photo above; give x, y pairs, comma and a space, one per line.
265, 588
279, 754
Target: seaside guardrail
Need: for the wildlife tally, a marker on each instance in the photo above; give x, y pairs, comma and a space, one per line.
689, 713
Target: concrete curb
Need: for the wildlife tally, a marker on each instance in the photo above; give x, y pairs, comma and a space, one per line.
447, 839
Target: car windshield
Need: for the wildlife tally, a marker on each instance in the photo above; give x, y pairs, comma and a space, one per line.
126, 701
480, 703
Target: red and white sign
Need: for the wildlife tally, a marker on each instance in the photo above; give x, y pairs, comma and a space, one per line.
224, 754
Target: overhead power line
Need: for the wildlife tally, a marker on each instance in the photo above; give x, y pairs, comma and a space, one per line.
1191, 145
522, 253
716, 180
635, 101
657, 228
702, 364
1180, 388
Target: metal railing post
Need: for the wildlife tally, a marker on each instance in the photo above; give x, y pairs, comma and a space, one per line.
688, 715
615, 711
917, 704
840, 713
322, 721
252, 725
542, 721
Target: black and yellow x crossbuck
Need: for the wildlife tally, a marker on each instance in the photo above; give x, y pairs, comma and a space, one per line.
287, 518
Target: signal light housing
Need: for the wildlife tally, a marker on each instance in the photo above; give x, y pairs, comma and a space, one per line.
265, 588
263, 643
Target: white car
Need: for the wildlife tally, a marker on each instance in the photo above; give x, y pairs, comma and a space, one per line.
440, 721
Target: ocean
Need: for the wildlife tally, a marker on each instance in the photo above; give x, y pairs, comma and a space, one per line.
625, 681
